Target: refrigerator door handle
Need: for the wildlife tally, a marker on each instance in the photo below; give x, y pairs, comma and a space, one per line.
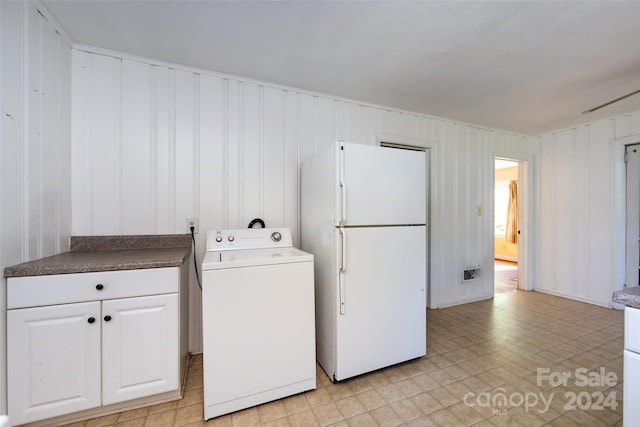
343, 192
343, 268
341, 183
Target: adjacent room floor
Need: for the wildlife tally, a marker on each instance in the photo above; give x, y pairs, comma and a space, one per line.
505, 276
481, 370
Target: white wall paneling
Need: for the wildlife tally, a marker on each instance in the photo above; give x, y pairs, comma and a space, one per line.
35, 183
581, 209
155, 143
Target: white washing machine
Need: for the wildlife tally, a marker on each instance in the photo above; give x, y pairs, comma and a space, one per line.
258, 318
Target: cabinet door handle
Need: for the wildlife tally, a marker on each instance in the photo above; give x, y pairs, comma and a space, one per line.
91, 319
107, 318
99, 286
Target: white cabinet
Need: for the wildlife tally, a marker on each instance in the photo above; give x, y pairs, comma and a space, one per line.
631, 385
53, 360
66, 357
139, 342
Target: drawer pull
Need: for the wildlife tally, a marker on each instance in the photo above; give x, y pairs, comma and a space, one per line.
91, 319
99, 286
107, 318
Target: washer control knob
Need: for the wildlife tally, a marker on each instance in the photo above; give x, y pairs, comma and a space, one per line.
275, 236
231, 238
218, 239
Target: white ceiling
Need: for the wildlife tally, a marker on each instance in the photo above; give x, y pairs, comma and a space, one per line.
528, 67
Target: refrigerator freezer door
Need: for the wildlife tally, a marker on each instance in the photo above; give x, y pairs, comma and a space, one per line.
384, 285
382, 186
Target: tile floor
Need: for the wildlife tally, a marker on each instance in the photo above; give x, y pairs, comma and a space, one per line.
477, 354
505, 276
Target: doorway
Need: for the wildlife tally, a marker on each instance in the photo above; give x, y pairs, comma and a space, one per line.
632, 263
506, 224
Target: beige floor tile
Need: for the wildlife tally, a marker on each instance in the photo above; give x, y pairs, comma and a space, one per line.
318, 397
407, 410
445, 418
327, 414
136, 422
362, 420
466, 414
350, 407
189, 414
476, 348
409, 388
424, 421
444, 397
371, 399
390, 393
426, 403
297, 403
102, 421
223, 421
162, 407
246, 417
161, 419
280, 422
304, 418
385, 416
339, 390
271, 411
133, 414
191, 397
359, 384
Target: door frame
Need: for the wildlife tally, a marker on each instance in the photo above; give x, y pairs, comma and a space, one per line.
619, 213
526, 239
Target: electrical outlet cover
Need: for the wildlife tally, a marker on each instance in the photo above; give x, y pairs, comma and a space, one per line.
193, 222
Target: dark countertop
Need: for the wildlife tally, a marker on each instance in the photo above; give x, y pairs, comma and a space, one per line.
109, 253
628, 296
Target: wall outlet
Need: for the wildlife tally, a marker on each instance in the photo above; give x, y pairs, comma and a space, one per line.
193, 222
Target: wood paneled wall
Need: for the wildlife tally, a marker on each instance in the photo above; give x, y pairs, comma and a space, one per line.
156, 143
581, 200
35, 149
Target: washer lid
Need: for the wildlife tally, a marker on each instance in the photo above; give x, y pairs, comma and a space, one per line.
253, 257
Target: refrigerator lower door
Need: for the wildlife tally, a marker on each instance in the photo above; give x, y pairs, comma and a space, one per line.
381, 314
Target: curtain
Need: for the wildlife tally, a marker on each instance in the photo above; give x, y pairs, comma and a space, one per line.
511, 230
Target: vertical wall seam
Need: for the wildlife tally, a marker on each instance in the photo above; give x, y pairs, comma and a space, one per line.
225, 153
298, 146
172, 150
285, 122
241, 157
574, 208
119, 148
587, 185
59, 130
88, 170
40, 142
261, 183
315, 124
196, 146
153, 147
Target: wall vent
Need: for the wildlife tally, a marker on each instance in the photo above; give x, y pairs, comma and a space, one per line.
470, 274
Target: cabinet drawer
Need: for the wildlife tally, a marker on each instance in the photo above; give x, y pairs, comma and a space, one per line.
35, 291
632, 329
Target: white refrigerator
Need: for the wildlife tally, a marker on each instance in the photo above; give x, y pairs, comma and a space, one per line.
363, 213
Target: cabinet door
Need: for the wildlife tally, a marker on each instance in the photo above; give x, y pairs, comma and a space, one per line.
53, 360
631, 389
140, 351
